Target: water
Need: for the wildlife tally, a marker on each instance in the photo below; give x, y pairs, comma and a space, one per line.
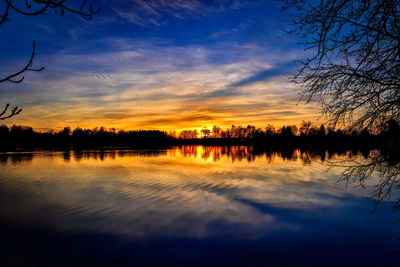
190, 206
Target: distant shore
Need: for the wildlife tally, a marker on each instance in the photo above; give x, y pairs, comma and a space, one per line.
25, 138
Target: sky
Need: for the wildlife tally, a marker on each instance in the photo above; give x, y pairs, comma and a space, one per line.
147, 64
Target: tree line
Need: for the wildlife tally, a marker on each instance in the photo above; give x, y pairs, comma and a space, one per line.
27, 137
307, 135
307, 128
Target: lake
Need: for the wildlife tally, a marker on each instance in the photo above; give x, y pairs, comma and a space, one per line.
191, 206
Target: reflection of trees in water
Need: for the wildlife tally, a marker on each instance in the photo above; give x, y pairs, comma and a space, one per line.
79, 155
216, 153
16, 158
101, 155
360, 165
385, 166
251, 153
381, 170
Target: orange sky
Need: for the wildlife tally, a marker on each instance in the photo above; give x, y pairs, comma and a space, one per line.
176, 100
135, 70
259, 107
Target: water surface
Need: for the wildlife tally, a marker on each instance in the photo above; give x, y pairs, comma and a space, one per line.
190, 205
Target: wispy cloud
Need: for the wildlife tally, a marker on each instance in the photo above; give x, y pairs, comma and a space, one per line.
285, 68
140, 76
161, 87
154, 12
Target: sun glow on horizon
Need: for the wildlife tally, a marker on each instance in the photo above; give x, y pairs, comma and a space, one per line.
220, 75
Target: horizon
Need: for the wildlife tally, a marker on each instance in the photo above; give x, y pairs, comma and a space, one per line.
175, 134
198, 129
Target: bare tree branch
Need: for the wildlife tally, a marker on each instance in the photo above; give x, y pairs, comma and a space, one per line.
33, 8
37, 7
28, 67
14, 111
354, 69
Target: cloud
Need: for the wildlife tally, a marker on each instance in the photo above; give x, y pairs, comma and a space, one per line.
152, 85
156, 12
263, 75
149, 12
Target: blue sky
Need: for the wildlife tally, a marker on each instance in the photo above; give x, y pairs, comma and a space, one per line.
155, 65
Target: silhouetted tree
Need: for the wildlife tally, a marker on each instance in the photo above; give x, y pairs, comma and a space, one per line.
269, 130
393, 128
354, 66
365, 132
322, 130
305, 127
170, 133
4, 132
250, 131
313, 131
188, 134
216, 132
294, 129
290, 130
205, 132
66, 131
34, 8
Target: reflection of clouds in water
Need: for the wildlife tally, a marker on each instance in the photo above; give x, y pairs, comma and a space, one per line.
170, 193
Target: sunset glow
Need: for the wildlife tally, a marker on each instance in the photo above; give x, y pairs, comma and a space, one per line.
165, 65
199, 133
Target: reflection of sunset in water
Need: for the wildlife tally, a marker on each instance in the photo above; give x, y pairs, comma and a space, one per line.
200, 153
192, 193
181, 190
